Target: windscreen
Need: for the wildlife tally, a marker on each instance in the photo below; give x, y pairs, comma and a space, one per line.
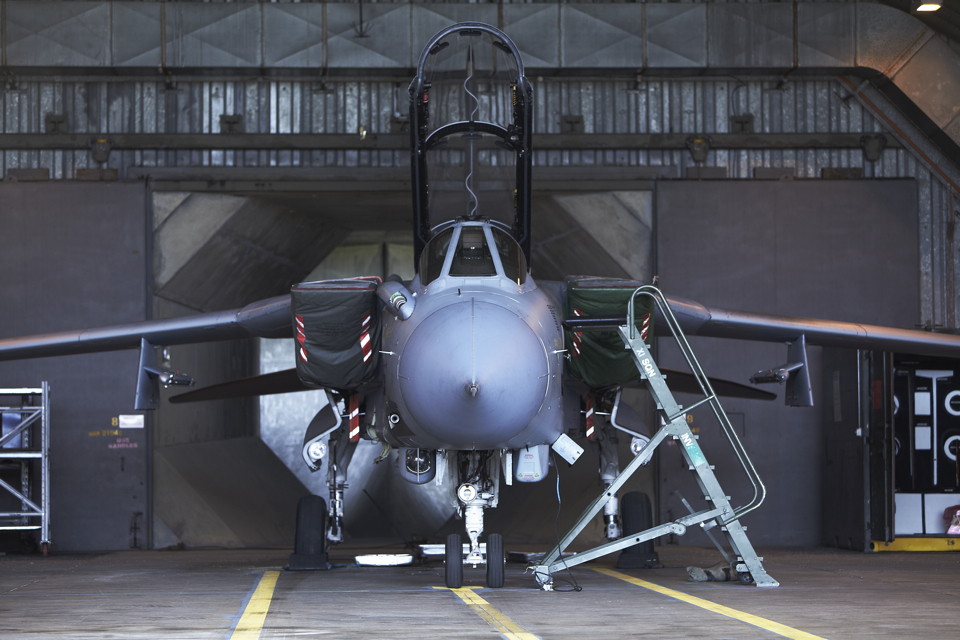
473, 255
472, 258
431, 260
470, 159
511, 257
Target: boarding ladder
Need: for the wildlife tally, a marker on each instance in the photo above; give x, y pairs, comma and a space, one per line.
674, 425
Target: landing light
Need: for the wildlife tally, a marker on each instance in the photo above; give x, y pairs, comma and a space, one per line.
637, 445
316, 451
467, 493
926, 6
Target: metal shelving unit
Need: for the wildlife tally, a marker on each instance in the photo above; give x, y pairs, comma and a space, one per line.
25, 450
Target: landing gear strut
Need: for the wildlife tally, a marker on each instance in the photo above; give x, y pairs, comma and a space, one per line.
478, 476
341, 452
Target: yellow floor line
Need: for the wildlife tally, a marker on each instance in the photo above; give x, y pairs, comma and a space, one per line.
510, 629
251, 622
757, 621
917, 544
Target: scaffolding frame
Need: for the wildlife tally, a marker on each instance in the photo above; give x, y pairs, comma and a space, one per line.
33, 452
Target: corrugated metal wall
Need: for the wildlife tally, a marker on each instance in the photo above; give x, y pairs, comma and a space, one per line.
607, 106
661, 106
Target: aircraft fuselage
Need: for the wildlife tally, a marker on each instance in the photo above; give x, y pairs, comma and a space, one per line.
477, 364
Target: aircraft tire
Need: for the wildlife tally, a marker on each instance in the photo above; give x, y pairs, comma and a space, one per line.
311, 529
495, 561
636, 516
310, 543
453, 562
635, 512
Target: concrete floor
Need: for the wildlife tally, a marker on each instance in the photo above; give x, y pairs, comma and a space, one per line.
202, 594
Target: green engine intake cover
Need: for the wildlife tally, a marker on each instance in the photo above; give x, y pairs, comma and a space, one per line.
599, 357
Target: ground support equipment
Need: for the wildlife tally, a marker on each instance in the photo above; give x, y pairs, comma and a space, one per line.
25, 448
748, 566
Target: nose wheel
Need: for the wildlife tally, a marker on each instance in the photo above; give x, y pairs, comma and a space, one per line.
495, 561
453, 562
479, 480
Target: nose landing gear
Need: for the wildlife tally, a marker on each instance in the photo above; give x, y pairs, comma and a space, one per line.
489, 553
479, 486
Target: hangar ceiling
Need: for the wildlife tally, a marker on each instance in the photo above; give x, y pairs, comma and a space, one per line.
880, 43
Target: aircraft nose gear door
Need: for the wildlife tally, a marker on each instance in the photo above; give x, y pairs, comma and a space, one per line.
747, 566
478, 476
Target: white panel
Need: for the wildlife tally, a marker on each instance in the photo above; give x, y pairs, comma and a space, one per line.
934, 506
908, 519
922, 438
921, 403
131, 421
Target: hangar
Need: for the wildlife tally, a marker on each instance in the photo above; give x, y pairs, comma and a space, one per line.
166, 159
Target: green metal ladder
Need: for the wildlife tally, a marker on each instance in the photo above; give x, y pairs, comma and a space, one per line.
748, 566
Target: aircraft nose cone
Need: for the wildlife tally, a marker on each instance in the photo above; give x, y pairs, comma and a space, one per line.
473, 375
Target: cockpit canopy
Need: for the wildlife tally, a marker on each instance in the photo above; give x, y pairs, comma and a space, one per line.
470, 73
471, 161
471, 132
472, 174
471, 255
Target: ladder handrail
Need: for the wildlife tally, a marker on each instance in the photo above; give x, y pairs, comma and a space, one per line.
759, 489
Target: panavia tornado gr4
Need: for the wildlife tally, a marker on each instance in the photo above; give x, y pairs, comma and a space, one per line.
474, 371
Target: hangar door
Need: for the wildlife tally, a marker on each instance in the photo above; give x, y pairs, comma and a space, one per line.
74, 255
839, 250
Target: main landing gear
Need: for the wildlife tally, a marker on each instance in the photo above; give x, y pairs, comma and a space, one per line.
478, 475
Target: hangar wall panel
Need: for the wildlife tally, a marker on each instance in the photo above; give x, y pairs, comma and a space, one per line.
840, 250
212, 488
74, 255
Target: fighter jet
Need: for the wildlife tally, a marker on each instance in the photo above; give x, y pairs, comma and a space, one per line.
473, 371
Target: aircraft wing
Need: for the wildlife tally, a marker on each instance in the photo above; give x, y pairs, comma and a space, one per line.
336, 324
286, 381
270, 318
698, 320
598, 359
